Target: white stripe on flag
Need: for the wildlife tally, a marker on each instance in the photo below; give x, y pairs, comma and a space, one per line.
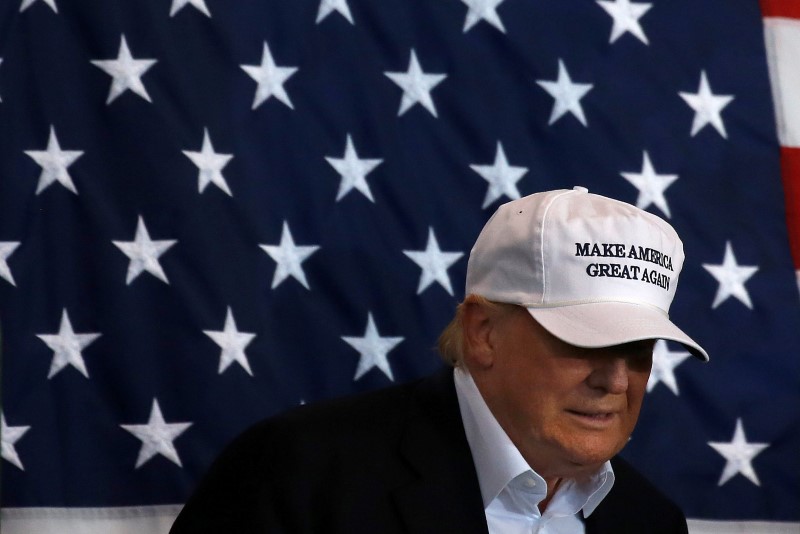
158, 520
699, 526
782, 39
125, 520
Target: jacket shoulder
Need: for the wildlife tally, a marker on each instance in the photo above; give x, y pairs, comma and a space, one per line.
285, 461
366, 414
634, 504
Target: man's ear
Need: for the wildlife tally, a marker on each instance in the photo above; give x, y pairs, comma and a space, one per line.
477, 325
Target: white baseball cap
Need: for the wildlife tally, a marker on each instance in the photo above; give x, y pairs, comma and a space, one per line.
593, 271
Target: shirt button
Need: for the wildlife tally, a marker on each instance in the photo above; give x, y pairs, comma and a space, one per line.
529, 483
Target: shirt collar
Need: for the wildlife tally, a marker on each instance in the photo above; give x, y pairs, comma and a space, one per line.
498, 461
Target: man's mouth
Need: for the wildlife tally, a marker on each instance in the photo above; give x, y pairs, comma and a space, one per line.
594, 414
594, 417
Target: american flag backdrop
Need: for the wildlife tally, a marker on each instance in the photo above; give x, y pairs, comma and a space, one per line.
212, 211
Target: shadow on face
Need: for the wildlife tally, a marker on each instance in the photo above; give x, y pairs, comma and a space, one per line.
567, 409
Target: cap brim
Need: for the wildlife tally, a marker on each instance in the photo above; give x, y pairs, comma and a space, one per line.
603, 324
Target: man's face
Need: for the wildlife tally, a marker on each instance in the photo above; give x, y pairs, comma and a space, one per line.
567, 409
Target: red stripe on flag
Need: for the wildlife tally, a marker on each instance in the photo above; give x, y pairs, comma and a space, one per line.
781, 8
790, 169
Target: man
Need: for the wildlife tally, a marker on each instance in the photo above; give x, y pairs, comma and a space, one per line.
552, 347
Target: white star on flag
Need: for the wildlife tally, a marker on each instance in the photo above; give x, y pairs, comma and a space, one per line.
626, 15
144, 253
289, 257
501, 176
483, 10
326, 7
651, 185
416, 85
126, 72
707, 107
434, 263
9, 436
210, 165
7, 248
567, 95
353, 171
67, 347
270, 79
373, 349
664, 363
232, 343
54, 163
739, 455
731, 277
157, 437
27, 3
201, 6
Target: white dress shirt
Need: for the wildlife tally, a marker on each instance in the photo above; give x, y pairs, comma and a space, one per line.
511, 490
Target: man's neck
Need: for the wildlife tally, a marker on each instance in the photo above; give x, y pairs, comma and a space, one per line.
552, 487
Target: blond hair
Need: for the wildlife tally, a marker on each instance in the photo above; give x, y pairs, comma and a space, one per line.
451, 340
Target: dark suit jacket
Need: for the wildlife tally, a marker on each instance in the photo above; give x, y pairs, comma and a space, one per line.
391, 461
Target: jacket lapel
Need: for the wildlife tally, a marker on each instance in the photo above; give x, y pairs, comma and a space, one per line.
445, 495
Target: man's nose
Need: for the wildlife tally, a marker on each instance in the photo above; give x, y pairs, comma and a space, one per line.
610, 374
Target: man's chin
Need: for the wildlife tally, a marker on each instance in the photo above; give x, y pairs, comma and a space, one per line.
588, 460
572, 456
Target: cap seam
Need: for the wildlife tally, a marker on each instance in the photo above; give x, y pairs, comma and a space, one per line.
566, 303
542, 240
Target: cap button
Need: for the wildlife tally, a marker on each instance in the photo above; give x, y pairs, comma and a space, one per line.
580, 189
